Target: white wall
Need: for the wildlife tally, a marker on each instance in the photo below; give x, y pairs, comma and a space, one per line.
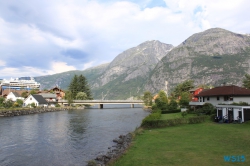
242, 99
213, 100
29, 100
11, 96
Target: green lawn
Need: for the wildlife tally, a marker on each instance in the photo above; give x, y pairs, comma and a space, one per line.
175, 115
191, 144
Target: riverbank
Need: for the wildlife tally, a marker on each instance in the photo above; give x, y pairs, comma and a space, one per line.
191, 144
27, 111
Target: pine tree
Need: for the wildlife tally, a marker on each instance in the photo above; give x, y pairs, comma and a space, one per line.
79, 84
84, 87
73, 87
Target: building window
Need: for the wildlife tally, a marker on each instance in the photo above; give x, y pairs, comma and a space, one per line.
207, 98
218, 97
225, 98
231, 98
30, 98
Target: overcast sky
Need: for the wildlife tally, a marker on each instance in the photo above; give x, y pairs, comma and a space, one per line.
41, 37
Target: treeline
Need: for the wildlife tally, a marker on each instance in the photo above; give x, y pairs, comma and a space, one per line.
179, 97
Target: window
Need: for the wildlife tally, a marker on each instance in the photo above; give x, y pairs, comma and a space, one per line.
218, 97
207, 98
225, 98
31, 98
231, 98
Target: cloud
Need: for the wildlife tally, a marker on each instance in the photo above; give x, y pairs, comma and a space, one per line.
59, 67
2, 63
34, 33
88, 65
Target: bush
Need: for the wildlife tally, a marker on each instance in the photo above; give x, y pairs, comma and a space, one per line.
197, 119
33, 105
57, 105
184, 113
172, 111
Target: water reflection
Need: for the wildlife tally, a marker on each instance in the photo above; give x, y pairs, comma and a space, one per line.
65, 137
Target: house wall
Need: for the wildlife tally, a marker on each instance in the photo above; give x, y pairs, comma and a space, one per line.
242, 99
213, 100
30, 99
11, 96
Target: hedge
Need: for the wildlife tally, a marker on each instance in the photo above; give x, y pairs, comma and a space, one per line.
172, 111
154, 123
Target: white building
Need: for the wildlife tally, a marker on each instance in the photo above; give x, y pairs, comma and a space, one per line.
222, 98
14, 96
38, 100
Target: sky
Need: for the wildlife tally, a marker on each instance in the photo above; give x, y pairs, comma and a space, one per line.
47, 37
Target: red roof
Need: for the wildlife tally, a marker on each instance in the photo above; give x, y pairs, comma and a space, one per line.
225, 91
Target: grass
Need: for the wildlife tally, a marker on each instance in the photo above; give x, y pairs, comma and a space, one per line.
175, 115
193, 144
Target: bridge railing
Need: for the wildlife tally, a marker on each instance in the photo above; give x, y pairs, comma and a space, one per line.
102, 101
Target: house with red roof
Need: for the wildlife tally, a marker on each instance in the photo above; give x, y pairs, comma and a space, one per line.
222, 98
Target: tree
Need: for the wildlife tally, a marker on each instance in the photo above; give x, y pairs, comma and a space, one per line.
84, 87
81, 96
172, 105
147, 98
24, 94
68, 96
246, 81
8, 103
162, 100
79, 84
184, 100
19, 102
1, 101
32, 92
73, 87
162, 96
183, 87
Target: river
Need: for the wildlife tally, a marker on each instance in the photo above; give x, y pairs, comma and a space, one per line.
64, 138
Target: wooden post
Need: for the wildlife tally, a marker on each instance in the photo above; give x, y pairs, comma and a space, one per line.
132, 106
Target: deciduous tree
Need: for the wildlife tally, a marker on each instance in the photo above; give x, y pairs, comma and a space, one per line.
147, 98
246, 81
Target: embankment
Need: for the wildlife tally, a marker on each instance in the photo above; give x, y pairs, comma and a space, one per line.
18, 112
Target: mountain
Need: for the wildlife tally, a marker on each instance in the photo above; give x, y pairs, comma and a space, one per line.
215, 56
125, 76
63, 79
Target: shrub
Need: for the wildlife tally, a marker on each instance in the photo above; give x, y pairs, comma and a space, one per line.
57, 105
184, 113
197, 119
33, 105
171, 111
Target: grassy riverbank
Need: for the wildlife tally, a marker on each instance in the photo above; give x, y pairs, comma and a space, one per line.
190, 144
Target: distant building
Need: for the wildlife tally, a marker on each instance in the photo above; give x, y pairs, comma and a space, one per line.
194, 92
60, 94
22, 83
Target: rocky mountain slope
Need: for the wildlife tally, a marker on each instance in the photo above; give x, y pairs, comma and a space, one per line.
125, 76
214, 56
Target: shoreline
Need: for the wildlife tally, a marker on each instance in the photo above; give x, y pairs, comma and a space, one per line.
123, 142
20, 112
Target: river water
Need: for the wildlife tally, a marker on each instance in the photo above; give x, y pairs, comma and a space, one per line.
64, 138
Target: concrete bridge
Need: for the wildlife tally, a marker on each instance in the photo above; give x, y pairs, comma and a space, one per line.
102, 102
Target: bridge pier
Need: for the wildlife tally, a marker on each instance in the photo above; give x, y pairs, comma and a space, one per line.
132, 106
101, 106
